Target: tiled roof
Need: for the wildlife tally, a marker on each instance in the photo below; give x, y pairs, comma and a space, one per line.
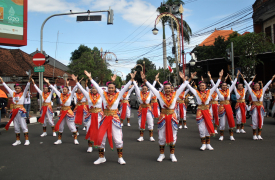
17, 62
211, 39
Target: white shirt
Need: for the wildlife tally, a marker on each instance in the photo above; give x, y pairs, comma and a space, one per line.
221, 97
49, 98
254, 98
236, 92
139, 97
187, 90
69, 100
210, 93
178, 92
115, 104
20, 100
27, 99
128, 95
87, 96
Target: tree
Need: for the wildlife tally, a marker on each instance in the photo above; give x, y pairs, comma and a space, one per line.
85, 58
248, 47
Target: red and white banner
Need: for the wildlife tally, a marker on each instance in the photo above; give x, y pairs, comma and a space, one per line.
170, 69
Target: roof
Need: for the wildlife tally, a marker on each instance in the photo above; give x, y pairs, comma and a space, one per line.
54, 62
209, 41
17, 62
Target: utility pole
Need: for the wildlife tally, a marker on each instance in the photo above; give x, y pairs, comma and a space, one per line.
232, 59
174, 44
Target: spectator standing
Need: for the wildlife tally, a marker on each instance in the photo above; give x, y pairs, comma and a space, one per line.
3, 105
267, 98
27, 103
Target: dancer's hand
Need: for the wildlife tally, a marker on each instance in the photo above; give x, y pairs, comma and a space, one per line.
88, 74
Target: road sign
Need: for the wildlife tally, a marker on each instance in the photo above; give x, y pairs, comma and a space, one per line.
89, 18
39, 59
39, 69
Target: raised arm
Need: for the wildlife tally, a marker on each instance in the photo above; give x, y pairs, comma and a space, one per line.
86, 94
152, 88
38, 90
181, 88
27, 87
136, 89
268, 83
99, 90
132, 88
7, 88
123, 90
233, 85
217, 83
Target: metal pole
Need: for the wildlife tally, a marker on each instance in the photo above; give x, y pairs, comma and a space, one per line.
174, 44
55, 54
182, 46
232, 59
41, 40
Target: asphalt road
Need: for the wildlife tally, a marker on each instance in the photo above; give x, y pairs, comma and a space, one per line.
242, 159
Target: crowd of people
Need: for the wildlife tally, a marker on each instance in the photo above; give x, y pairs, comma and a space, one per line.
97, 110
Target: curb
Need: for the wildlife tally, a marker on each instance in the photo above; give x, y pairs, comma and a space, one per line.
35, 119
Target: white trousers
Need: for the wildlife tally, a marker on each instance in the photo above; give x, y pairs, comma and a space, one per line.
149, 120
18, 122
128, 112
254, 117
49, 118
162, 135
117, 137
203, 129
71, 125
239, 116
223, 121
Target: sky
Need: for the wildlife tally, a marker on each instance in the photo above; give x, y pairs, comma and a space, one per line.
130, 37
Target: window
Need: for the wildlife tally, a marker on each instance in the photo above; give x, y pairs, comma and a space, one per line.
268, 32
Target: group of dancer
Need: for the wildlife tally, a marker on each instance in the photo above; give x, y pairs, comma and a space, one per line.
98, 110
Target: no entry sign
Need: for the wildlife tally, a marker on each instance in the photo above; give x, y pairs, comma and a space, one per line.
39, 59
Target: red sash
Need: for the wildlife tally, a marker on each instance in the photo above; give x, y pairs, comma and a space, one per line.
243, 112
259, 116
143, 118
63, 114
106, 127
79, 114
168, 129
181, 110
44, 111
93, 129
208, 122
155, 109
215, 113
229, 115
14, 113
123, 112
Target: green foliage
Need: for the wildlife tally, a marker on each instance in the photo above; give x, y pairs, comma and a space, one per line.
247, 47
85, 58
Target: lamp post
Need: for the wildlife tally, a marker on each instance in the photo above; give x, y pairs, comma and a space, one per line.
143, 67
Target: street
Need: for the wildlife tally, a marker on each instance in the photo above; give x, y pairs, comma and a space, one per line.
242, 159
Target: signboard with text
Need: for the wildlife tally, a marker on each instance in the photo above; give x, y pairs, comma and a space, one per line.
13, 22
39, 69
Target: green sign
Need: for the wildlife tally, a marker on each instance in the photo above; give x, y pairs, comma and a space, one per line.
39, 69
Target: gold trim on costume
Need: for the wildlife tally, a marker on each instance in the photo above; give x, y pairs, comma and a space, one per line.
203, 107
225, 102
240, 100
65, 108
95, 110
144, 105
124, 101
167, 111
154, 100
257, 103
46, 104
110, 112
213, 102
180, 101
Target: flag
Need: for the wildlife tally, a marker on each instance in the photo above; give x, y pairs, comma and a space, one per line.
170, 69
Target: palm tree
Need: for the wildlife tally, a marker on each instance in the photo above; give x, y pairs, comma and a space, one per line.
187, 32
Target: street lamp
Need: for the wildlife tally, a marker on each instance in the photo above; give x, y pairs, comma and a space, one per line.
192, 62
116, 61
155, 31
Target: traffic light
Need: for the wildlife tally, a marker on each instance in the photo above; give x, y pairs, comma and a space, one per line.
47, 57
228, 52
173, 50
110, 17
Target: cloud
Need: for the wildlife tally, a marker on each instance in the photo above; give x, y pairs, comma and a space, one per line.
137, 12
51, 6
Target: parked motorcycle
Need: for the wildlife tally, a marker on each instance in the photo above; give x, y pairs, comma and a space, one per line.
192, 105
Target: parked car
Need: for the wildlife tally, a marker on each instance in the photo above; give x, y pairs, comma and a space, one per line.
133, 100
